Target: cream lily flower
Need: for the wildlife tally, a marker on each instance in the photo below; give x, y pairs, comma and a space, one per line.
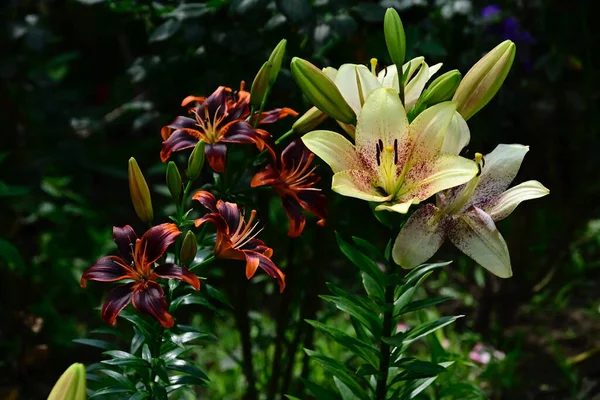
392, 162
467, 214
355, 81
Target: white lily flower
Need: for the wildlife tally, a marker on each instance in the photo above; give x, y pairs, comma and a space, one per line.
466, 214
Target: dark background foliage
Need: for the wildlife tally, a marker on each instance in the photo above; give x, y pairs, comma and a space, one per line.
87, 84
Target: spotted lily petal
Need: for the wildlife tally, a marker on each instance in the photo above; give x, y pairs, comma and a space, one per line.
355, 83
476, 235
499, 169
421, 236
502, 206
332, 148
457, 135
357, 183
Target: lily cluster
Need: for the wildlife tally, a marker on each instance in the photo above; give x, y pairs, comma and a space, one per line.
402, 146
223, 119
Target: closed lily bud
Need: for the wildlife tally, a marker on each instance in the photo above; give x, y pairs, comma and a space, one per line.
395, 39
309, 120
321, 91
173, 180
442, 88
196, 161
484, 79
260, 85
70, 385
275, 59
189, 248
140, 194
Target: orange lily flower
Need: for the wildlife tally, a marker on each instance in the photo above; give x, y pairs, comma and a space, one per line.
137, 263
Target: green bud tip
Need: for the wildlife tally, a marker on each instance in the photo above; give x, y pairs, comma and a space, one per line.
484, 79
140, 194
395, 39
173, 180
275, 59
321, 91
71, 385
442, 88
196, 161
309, 120
260, 85
189, 248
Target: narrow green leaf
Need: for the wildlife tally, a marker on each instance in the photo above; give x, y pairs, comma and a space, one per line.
140, 396
121, 379
372, 288
363, 301
108, 390
319, 391
107, 330
366, 369
344, 390
11, 254
217, 295
288, 396
358, 347
146, 355
187, 368
412, 389
182, 380
368, 249
366, 317
424, 303
340, 371
138, 322
416, 273
101, 344
363, 262
416, 369
406, 338
137, 342
408, 291
186, 337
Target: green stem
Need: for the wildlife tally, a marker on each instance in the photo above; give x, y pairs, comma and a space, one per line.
262, 107
284, 136
181, 206
204, 262
384, 348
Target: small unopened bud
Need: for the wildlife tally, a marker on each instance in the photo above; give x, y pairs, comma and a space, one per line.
260, 85
442, 88
173, 180
321, 91
196, 161
309, 120
484, 79
189, 248
140, 194
395, 39
70, 385
275, 59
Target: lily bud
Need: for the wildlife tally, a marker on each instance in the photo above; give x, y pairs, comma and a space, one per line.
140, 194
275, 60
70, 385
189, 248
321, 91
196, 161
395, 39
484, 79
309, 120
173, 180
260, 85
442, 88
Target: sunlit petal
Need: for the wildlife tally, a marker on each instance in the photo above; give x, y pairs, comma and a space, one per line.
332, 148
415, 86
457, 135
421, 236
502, 206
476, 235
348, 80
401, 208
357, 183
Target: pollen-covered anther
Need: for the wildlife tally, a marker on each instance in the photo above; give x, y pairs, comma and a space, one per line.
374, 66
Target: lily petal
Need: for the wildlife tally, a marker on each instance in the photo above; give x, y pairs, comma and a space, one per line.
382, 119
231, 214
255, 260
476, 235
295, 215
150, 299
333, 148
330, 72
502, 206
125, 238
215, 155
457, 135
116, 300
401, 208
421, 236
178, 140
434, 69
173, 271
355, 83
499, 169
357, 183
415, 86
108, 269
155, 241
207, 199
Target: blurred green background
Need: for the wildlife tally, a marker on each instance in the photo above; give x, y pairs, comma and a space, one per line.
87, 84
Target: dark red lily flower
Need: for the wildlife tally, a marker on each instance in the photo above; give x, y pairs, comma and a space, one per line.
236, 237
136, 262
294, 179
219, 119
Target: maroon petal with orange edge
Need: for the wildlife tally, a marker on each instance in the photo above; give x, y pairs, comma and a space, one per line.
155, 241
231, 214
295, 215
296, 156
173, 271
313, 201
242, 132
183, 123
125, 238
108, 269
215, 219
268, 266
116, 300
214, 104
149, 298
207, 199
190, 99
179, 140
215, 155
267, 177
272, 116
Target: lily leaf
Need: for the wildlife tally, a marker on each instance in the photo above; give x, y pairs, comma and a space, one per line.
365, 316
363, 262
406, 338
